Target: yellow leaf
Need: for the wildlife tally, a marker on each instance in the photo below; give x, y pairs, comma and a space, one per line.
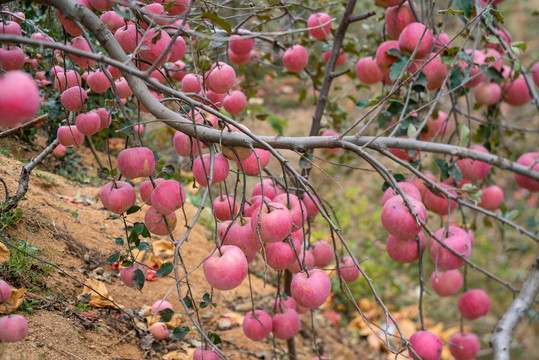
174, 322
179, 355
14, 301
4, 253
374, 342
154, 262
102, 300
163, 248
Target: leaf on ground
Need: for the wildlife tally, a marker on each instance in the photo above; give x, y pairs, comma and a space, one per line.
14, 301
163, 248
102, 300
4, 253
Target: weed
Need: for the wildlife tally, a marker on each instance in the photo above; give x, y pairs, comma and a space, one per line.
28, 305
9, 217
20, 265
6, 152
80, 307
75, 213
47, 178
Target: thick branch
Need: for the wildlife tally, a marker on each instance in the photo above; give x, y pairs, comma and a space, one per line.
503, 332
27, 125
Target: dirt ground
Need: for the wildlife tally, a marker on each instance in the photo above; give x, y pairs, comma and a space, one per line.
78, 239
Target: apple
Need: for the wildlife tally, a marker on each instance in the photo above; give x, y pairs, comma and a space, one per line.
101, 5
159, 330
160, 305
177, 70
201, 354
323, 254
177, 9
235, 102
19, 98
5, 291
268, 189
404, 250
155, 223
416, 35
191, 83
123, 88
136, 162
80, 43
296, 207
118, 196
280, 304
257, 324
295, 58
331, 133
435, 71
535, 73
397, 18
239, 234
367, 71
240, 45
98, 81
504, 34
397, 219
456, 239
168, 197
112, 20
446, 283
279, 255
73, 98
153, 44
272, 222
70, 27
13, 328
491, 197
258, 159
464, 345
427, 345
69, 135
220, 78
474, 169
306, 259
477, 59
436, 127
88, 123
322, 24
474, 304
286, 324
212, 99
238, 59
310, 205
127, 274
178, 49
64, 80
516, 92
440, 204
225, 207
185, 145
310, 289
441, 41
128, 37
409, 189
59, 151
341, 59
348, 270
11, 58
225, 268
383, 60
527, 160
10, 28
146, 190
201, 169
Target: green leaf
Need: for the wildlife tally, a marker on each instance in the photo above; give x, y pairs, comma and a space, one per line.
133, 209
362, 104
225, 25
464, 135
466, 6
169, 5
188, 302
113, 258
302, 94
397, 177
411, 132
513, 214
138, 279
396, 69
119, 241
455, 173
180, 332
306, 161
143, 246
214, 338
394, 52
517, 248
166, 314
420, 83
444, 168
164, 270
497, 15
451, 11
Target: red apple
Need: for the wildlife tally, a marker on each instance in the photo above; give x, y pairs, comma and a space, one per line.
279, 255
474, 169
310, 289
397, 18
19, 98
146, 190
397, 219
73, 98
127, 274
98, 81
367, 71
285, 325
168, 197
118, 196
88, 123
272, 222
348, 270
13, 328
259, 157
322, 22
160, 305
409, 189
427, 345
11, 58
464, 345
404, 250
416, 35
201, 169
474, 304
295, 58
220, 78
491, 197
235, 102
257, 324
159, 330
69, 135
136, 162
528, 159
225, 269
5, 291
440, 204
516, 92
456, 239
201, 354
323, 254
156, 224
225, 207
240, 45
446, 283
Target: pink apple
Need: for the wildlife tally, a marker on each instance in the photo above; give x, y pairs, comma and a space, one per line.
73, 98
322, 22
367, 71
535, 73
427, 345
177, 9
69, 135
285, 325
440, 204
306, 259
80, 43
118, 196
146, 190
201, 169
123, 88
516, 92
491, 197
235, 102
178, 71
280, 304
295, 58
296, 207
13, 328
435, 71
239, 234
136, 162
159, 330
240, 45
65, 80
446, 283
312, 210
225, 269
456, 239
331, 133
10, 28
168, 197
279, 255
213, 99
474, 169
323, 254
397, 219
310, 289
11, 58
112, 20
98, 81
201, 354
527, 160
416, 35
178, 49
191, 83
272, 222
504, 34
267, 188
19, 98
397, 18
487, 93
436, 128
404, 250
474, 304
225, 207
220, 78
348, 270
238, 59
388, 3
104, 117
257, 325
155, 42
186, 145
464, 345
341, 59
442, 41
127, 274
383, 60
259, 157
5, 291
252, 204
161, 305
156, 224
88, 123
59, 151
409, 189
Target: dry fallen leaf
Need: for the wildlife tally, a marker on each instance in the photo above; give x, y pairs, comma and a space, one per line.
374, 342
174, 322
178, 355
4, 253
14, 301
154, 262
95, 299
163, 248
